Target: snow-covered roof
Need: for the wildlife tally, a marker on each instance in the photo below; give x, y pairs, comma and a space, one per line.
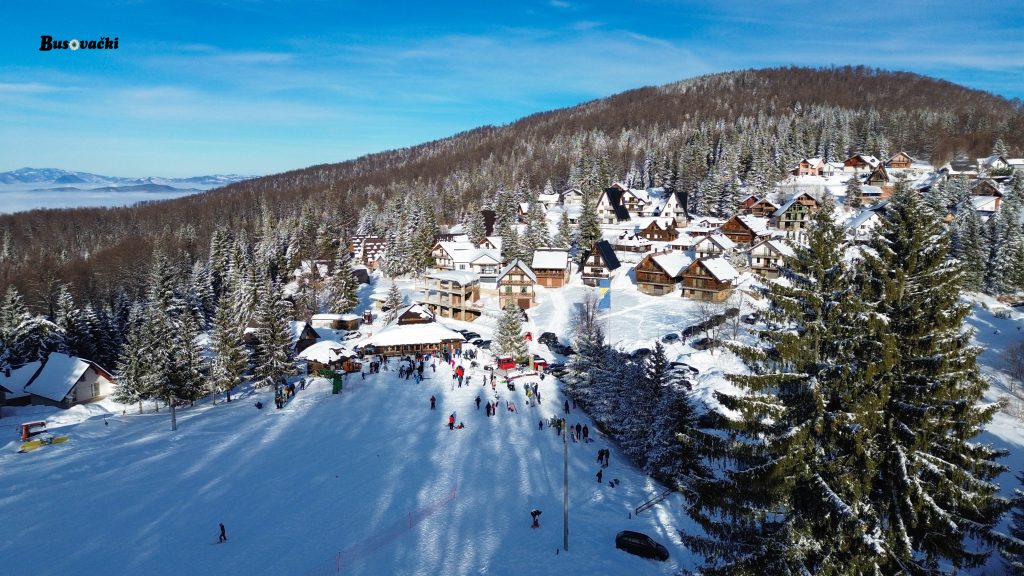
571, 192
461, 276
428, 333
517, 264
452, 247
485, 254
14, 385
327, 316
721, 240
549, 198
326, 352
551, 259
58, 376
295, 328
758, 225
495, 241
985, 203
781, 247
351, 317
861, 218
673, 263
720, 269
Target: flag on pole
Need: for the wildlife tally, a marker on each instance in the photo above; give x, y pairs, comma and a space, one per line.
604, 291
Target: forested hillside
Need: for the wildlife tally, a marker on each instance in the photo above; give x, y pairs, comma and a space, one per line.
707, 135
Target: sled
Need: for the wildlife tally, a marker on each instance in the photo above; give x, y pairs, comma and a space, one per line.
37, 444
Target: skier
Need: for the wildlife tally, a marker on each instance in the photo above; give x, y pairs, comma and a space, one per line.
535, 514
586, 433
579, 431
540, 425
477, 402
451, 421
566, 406
600, 474
432, 402
223, 535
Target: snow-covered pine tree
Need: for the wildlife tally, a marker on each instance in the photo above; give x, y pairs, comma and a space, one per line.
476, 228
932, 488
999, 148
190, 367
641, 394
968, 247
393, 302
508, 337
67, 317
231, 357
995, 261
274, 350
854, 193
790, 497
34, 339
588, 231
563, 239
536, 236
1012, 548
588, 341
345, 287
672, 455
133, 365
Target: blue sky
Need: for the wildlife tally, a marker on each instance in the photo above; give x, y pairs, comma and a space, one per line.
262, 86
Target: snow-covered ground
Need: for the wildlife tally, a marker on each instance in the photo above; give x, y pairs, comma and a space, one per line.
372, 481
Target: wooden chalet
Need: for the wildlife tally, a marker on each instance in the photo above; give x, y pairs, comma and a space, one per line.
64, 381
675, 206
303, 333
659, 273
515, 283
795, 216
859, 162
713, 245
900, 160
708, 279
413, 332
445, 254
572, 197
610, 208
660, 230
551, 267
809, 167
629, 242
768, 256
329, 355
746, 203
763, 208
986, 187
744, 229
598, 263
369, 250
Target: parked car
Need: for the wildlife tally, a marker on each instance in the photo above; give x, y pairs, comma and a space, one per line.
471, 335
640, 544
353, 336
640, 353
670, 338
565, 350
685, 366
486, 345
548, 338
732, 312
555, 367
477, 342
692, 330
705, 343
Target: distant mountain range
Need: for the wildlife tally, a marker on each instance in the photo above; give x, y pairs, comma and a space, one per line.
56, 179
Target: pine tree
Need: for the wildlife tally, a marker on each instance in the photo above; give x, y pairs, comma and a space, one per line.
12, 315
536, 231
932, 488
588, 341
274, 350
588, 231
132, 367
345, 293
393, 302
791, 499
968, 247
476, 228
854, 193
190, 367
508, 338
1012, 549
230, 355
564, 237
999, 148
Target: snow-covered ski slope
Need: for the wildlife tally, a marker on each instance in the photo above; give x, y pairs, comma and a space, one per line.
372, 481
367, 482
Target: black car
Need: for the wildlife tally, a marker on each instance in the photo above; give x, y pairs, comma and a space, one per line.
692, 330
705, 343
477, 342
670, 338
471, 335
640, 544
641, 353
486, 345
548, 338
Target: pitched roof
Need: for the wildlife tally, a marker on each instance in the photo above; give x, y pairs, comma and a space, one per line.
15, 384
326, 352
720, 269
517, 263
780, 247
611, 261
59, 375
547, 259
759, 226
792, 201
720, 240
673, 263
